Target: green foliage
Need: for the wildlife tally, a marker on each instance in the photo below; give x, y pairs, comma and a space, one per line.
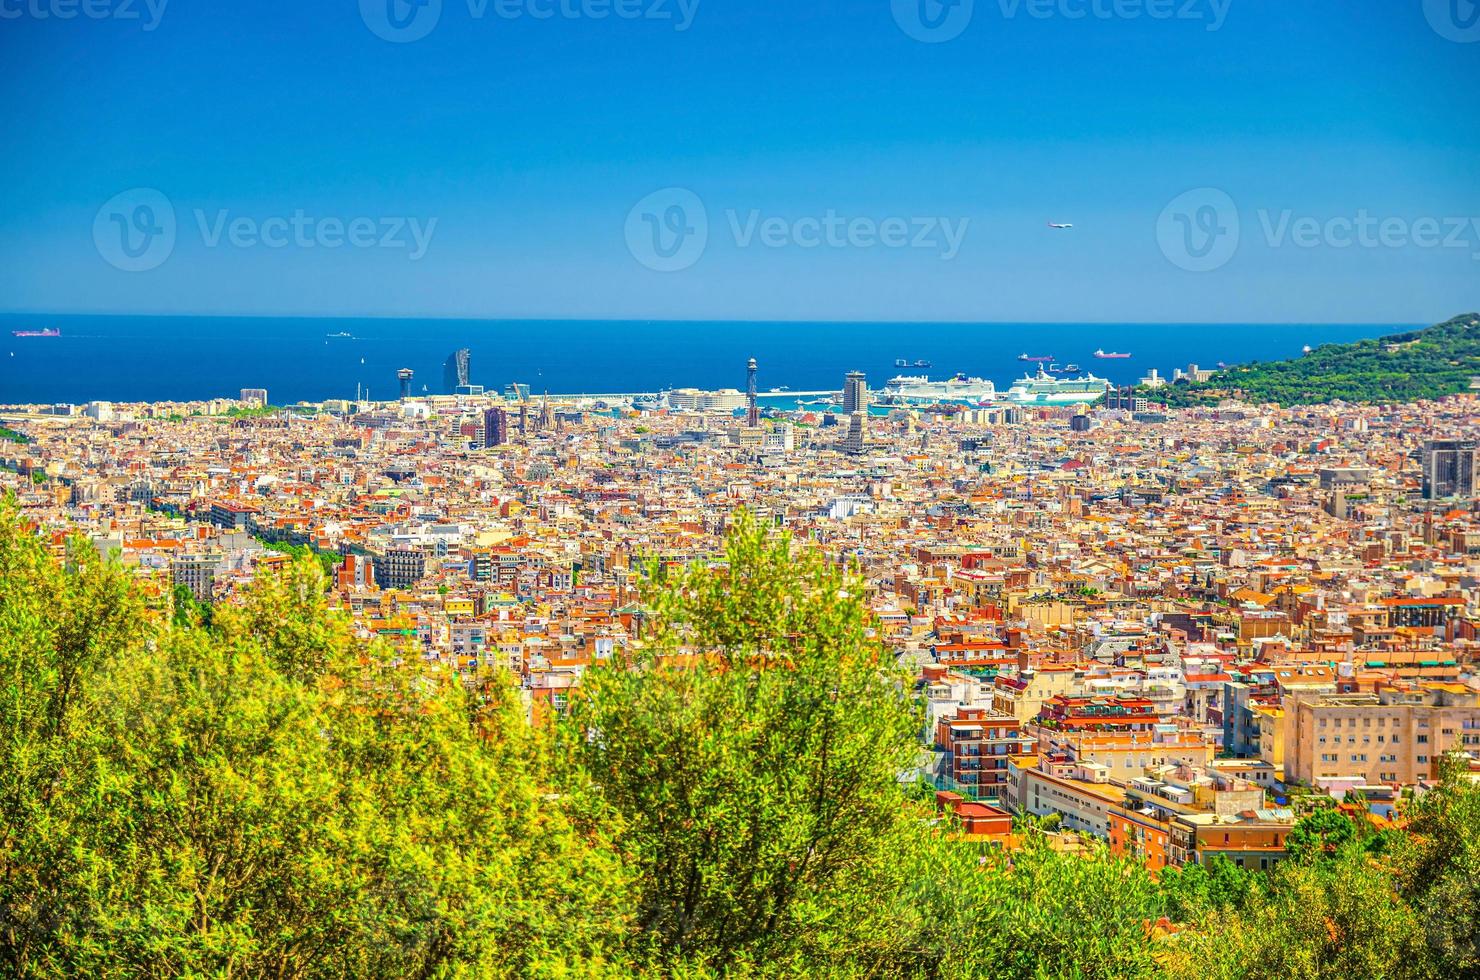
11, 435
1439, 868
254, 412
327, 560
1319, 834
952, 909
1195, 890
751, 750
1328, 919
1440, 360
269, 796
187, 609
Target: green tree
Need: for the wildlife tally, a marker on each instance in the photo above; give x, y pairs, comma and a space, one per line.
1194, 890
1332, 918
58, 622
1438, 865
271, 796
1321, 833
751, 750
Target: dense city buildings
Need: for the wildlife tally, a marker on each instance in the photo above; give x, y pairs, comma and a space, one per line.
1151, 626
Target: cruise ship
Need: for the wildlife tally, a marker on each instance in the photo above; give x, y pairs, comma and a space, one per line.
920, 390
1045, 389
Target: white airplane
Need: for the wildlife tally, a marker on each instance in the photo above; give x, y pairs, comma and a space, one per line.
1055, 224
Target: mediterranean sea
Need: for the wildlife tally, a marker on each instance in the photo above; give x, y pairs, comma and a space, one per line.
160, 358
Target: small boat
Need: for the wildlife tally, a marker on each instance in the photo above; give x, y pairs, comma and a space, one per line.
1070, 368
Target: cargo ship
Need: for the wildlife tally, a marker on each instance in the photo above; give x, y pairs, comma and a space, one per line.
1045, 389
1028, 357
920, 390
1110, 355
48, 332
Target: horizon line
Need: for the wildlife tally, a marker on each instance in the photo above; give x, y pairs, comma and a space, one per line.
677, 320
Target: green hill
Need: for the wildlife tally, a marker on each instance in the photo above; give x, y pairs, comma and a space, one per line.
1429, 363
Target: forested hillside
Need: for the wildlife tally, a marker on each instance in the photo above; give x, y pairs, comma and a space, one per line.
1430, 363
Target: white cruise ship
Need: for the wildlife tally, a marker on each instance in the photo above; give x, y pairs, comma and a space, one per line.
1045, 389
920, 390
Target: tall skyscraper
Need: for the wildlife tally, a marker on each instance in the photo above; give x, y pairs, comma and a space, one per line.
855, 392
455, 371
752, 410
857, 435
495, 427
404, 376
1451, 468
253, 396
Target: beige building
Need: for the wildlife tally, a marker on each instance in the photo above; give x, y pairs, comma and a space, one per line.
1125, 754
1271, 724
1394, 736
1022, 695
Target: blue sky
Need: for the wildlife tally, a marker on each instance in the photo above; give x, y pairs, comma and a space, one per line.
519, 146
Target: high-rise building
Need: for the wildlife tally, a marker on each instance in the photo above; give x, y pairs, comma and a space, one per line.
254, 396
855, 392
196, 573
495, 427
455, 372
404, 376
854, 441
1451, 468
399, 568
752, 411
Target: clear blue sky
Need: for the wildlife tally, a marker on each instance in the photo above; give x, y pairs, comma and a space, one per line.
530, 140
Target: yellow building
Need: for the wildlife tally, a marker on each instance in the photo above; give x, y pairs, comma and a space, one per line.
1394, 736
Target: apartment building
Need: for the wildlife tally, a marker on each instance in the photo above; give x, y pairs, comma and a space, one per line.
1393, 736
976, 744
